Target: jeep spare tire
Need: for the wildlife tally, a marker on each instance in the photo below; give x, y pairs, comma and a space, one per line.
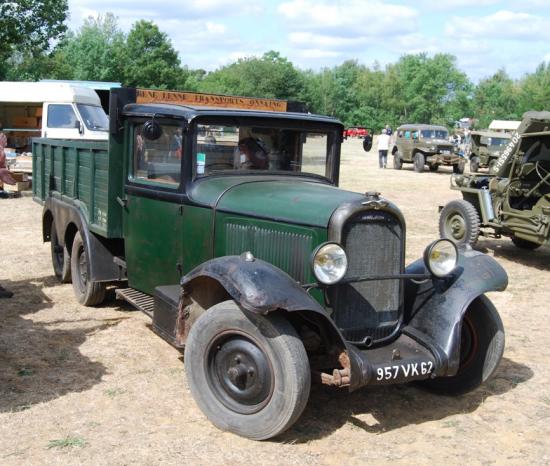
459, 222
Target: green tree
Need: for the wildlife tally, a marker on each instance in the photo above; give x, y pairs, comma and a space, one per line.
534, 92
148, 59
93, 53
271, 76
497, 98
28, 27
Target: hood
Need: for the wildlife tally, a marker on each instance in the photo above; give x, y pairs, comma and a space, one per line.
287, 199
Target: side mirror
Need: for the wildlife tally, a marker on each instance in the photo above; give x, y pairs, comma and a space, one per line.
79, 126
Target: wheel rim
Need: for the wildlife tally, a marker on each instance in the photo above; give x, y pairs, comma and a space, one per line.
239, 372
455, 227
82, 267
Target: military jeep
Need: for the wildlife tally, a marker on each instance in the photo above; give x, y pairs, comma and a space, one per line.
227, 227
424, 145
514, 199
485, 148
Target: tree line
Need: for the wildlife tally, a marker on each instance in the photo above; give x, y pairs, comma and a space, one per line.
35, 44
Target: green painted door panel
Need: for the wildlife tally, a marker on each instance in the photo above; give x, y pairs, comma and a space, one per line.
153, 238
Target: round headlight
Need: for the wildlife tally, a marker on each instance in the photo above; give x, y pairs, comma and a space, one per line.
329, 263
441, 257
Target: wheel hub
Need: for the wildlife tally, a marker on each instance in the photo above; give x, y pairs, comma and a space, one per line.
456, 227
240, 373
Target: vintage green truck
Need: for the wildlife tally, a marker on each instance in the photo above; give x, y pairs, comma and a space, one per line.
226, 225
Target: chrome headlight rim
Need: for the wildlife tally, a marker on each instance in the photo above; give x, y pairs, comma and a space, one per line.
314, 267
433, 267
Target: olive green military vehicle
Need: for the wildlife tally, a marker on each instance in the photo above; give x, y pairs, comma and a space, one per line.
424, 145
226, 226
485, 148
513, 200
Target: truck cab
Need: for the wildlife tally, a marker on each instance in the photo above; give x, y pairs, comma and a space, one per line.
221, 218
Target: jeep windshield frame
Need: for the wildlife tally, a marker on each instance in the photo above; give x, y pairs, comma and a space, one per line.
228, 145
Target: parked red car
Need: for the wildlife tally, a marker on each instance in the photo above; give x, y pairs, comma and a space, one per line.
355, 132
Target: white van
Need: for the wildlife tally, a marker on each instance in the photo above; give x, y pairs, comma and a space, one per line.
52, 110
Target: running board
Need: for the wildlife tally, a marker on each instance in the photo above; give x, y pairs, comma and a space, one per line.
142, 301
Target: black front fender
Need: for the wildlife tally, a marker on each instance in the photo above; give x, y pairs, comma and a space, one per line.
434, 310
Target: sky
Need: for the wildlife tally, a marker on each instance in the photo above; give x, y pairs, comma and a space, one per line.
484, 35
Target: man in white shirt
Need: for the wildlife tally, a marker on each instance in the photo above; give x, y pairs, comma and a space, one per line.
383, 147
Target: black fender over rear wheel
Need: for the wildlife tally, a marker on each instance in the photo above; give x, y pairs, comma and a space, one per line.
88, 292
459, 222
419, 161
248, 373
481, 349
61, 260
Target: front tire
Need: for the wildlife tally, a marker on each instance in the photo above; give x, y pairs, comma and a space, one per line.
397, 162
459, 222
61, 260
419, 161
88, 292
481, 349
459, 168
248, 373
474, 165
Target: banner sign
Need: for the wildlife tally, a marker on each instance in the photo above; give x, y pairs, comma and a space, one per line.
149, 96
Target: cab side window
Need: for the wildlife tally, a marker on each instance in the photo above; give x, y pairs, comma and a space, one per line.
157, 162
61, 116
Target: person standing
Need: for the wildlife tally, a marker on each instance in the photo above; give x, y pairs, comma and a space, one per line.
383, 147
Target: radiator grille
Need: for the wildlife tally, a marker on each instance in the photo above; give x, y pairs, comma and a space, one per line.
286, 250
369, 311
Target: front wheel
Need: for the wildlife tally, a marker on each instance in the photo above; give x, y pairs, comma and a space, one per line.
459, 168
248, 373
397, 162
419, 161
459, 222
474, 165
87, 291
481, 349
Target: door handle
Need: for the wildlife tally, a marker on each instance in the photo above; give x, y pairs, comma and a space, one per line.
123, 202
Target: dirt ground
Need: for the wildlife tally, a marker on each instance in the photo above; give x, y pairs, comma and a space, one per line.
97, 386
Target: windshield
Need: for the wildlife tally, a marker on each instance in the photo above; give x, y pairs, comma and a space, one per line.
434, 134
94, 117
229, 148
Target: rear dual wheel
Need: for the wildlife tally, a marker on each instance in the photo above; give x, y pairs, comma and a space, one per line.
61, 260
248, 373
87, 291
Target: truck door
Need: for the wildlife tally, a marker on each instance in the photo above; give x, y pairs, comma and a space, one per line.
154, 206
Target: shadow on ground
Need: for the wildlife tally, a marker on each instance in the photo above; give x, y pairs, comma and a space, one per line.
40, 359
382, 409
504, 249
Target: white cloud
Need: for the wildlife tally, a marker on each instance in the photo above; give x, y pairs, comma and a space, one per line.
349, 17
500, 25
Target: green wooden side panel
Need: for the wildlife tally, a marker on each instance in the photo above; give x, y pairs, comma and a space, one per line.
85, 173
